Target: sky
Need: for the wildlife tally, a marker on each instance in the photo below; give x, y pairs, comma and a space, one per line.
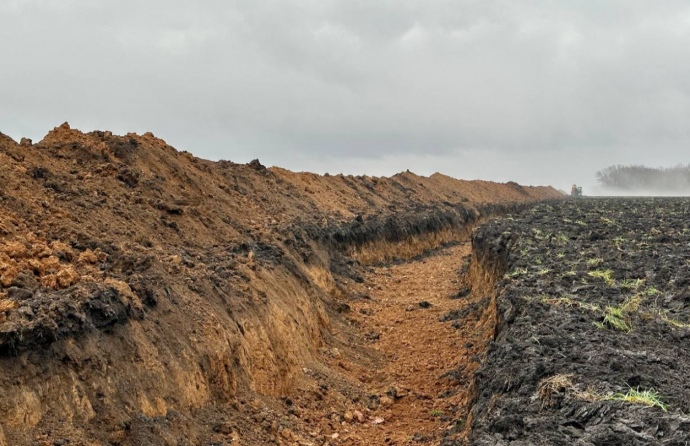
538, 92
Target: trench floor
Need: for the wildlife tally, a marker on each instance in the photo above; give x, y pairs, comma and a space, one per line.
425, 380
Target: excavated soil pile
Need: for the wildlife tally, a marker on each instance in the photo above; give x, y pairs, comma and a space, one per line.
151, 297
593, 321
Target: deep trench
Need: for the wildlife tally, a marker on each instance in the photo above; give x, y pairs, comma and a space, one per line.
489, 262
490, 254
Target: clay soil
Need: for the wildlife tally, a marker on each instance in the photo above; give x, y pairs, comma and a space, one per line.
594, 321
149, 297
427, 361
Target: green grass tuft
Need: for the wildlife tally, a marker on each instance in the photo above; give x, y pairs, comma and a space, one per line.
518, 272
595, 261
614, 317
631, 284
606, 275
649, 398
651, 291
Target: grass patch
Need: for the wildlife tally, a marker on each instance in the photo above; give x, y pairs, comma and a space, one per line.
631, 284
436, 413
518, 272
594, 262
651, 291
606, 275
632, 304
673, 322
562, 239
649, 398
615, 318
619, 242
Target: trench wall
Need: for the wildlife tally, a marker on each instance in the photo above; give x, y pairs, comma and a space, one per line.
137, 282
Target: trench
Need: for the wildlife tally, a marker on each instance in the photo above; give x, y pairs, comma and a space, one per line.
429, 404
431, 320
211, 290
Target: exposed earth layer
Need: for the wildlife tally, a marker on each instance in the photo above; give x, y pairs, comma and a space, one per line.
151, 297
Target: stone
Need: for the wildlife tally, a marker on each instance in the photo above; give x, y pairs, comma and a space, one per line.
386, 401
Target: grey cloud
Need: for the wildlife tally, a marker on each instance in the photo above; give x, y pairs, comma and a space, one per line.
358, 80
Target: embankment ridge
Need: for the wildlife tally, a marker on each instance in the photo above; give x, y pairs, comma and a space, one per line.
148, 296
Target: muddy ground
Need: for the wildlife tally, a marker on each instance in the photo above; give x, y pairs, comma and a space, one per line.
593, 325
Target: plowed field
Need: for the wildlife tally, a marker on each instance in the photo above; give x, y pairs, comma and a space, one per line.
592, 341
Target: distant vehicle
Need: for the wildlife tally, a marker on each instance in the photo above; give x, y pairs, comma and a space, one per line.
576, 191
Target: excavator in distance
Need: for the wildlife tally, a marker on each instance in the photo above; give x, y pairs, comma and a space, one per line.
576, 191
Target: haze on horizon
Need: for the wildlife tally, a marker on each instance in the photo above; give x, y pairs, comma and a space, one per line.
538, 92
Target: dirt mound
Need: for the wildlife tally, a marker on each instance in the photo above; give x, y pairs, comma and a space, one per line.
151, 297
593, 318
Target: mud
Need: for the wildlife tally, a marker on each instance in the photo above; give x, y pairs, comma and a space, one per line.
593, 306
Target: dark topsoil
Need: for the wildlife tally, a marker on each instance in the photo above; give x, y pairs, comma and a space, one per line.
558, 366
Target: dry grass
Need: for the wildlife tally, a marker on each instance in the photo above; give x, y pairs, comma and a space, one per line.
589, 394
664, 316
548, 388
565, 383
568, 302
632, 304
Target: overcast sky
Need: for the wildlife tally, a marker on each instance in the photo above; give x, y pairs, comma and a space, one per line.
539, 92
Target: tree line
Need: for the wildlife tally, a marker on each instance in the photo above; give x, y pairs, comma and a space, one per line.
643, 178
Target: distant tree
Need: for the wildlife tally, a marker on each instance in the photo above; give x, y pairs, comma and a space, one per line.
642, 178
